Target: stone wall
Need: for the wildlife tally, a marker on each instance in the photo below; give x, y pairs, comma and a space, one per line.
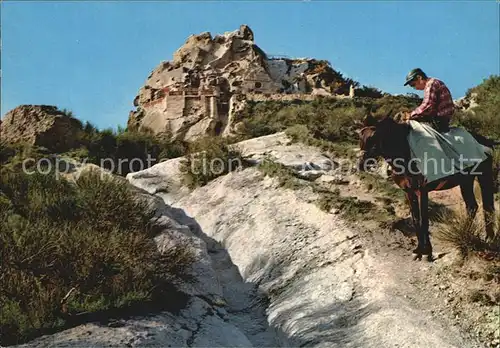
176, 109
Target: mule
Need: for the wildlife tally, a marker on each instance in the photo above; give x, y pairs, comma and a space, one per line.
388, 139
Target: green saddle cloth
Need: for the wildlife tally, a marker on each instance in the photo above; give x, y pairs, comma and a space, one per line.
438, 155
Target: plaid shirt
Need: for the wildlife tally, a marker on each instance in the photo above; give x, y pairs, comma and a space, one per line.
437, 101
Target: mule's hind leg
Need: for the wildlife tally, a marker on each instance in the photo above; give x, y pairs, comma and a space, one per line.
487, 194
467, 190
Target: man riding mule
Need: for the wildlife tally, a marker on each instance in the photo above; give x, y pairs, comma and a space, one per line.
458, 156
437, 107
438, 150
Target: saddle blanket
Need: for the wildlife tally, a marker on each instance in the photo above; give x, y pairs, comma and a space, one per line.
438, 155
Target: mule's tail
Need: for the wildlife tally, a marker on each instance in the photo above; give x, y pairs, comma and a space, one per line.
484, 140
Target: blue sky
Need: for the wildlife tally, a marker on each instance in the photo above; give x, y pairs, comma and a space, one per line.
92, 57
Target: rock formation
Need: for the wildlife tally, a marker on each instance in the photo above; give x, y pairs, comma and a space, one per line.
40, 125
209, 78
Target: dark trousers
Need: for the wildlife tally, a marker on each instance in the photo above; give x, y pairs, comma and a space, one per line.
441, 124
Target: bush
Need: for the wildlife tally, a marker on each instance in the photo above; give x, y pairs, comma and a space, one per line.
286, 177
207, 159
92, 240
394, 104
466, 234
123, 151
12, 156
483, 118
351, 208
143, 146
332, 120
326, 119
369, 92
302, 134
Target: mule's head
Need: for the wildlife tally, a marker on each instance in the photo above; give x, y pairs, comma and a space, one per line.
377, 139
369, 143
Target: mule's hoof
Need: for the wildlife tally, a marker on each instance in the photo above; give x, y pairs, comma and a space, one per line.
429, 258
417, 257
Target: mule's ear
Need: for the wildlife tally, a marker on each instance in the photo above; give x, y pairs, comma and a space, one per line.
369, 121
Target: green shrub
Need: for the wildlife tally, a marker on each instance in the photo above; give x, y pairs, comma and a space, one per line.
39, 196
124, 151
143, 146
302, 134
487, 91
332, 120
12, 156
394, 104
325, 119
351, 208
483, 119
369, 91
286, 177
94, 237
207, 159
382, 186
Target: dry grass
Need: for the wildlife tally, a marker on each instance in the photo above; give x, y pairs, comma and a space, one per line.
467, 235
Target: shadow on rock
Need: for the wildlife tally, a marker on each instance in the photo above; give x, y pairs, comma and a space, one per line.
295, 323
336, 325
245, 303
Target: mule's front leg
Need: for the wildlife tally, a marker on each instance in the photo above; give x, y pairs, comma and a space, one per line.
424, 224
412, 198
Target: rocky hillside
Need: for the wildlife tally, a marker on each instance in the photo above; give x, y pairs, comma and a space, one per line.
198, 92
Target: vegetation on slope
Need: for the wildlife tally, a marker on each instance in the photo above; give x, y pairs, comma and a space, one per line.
92, 239
327, 119
123, 151
208, 158
467, 235
484, 118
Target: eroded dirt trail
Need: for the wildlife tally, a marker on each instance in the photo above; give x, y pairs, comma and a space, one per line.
329, 284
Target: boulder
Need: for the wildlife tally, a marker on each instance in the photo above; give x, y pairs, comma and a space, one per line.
40, 125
